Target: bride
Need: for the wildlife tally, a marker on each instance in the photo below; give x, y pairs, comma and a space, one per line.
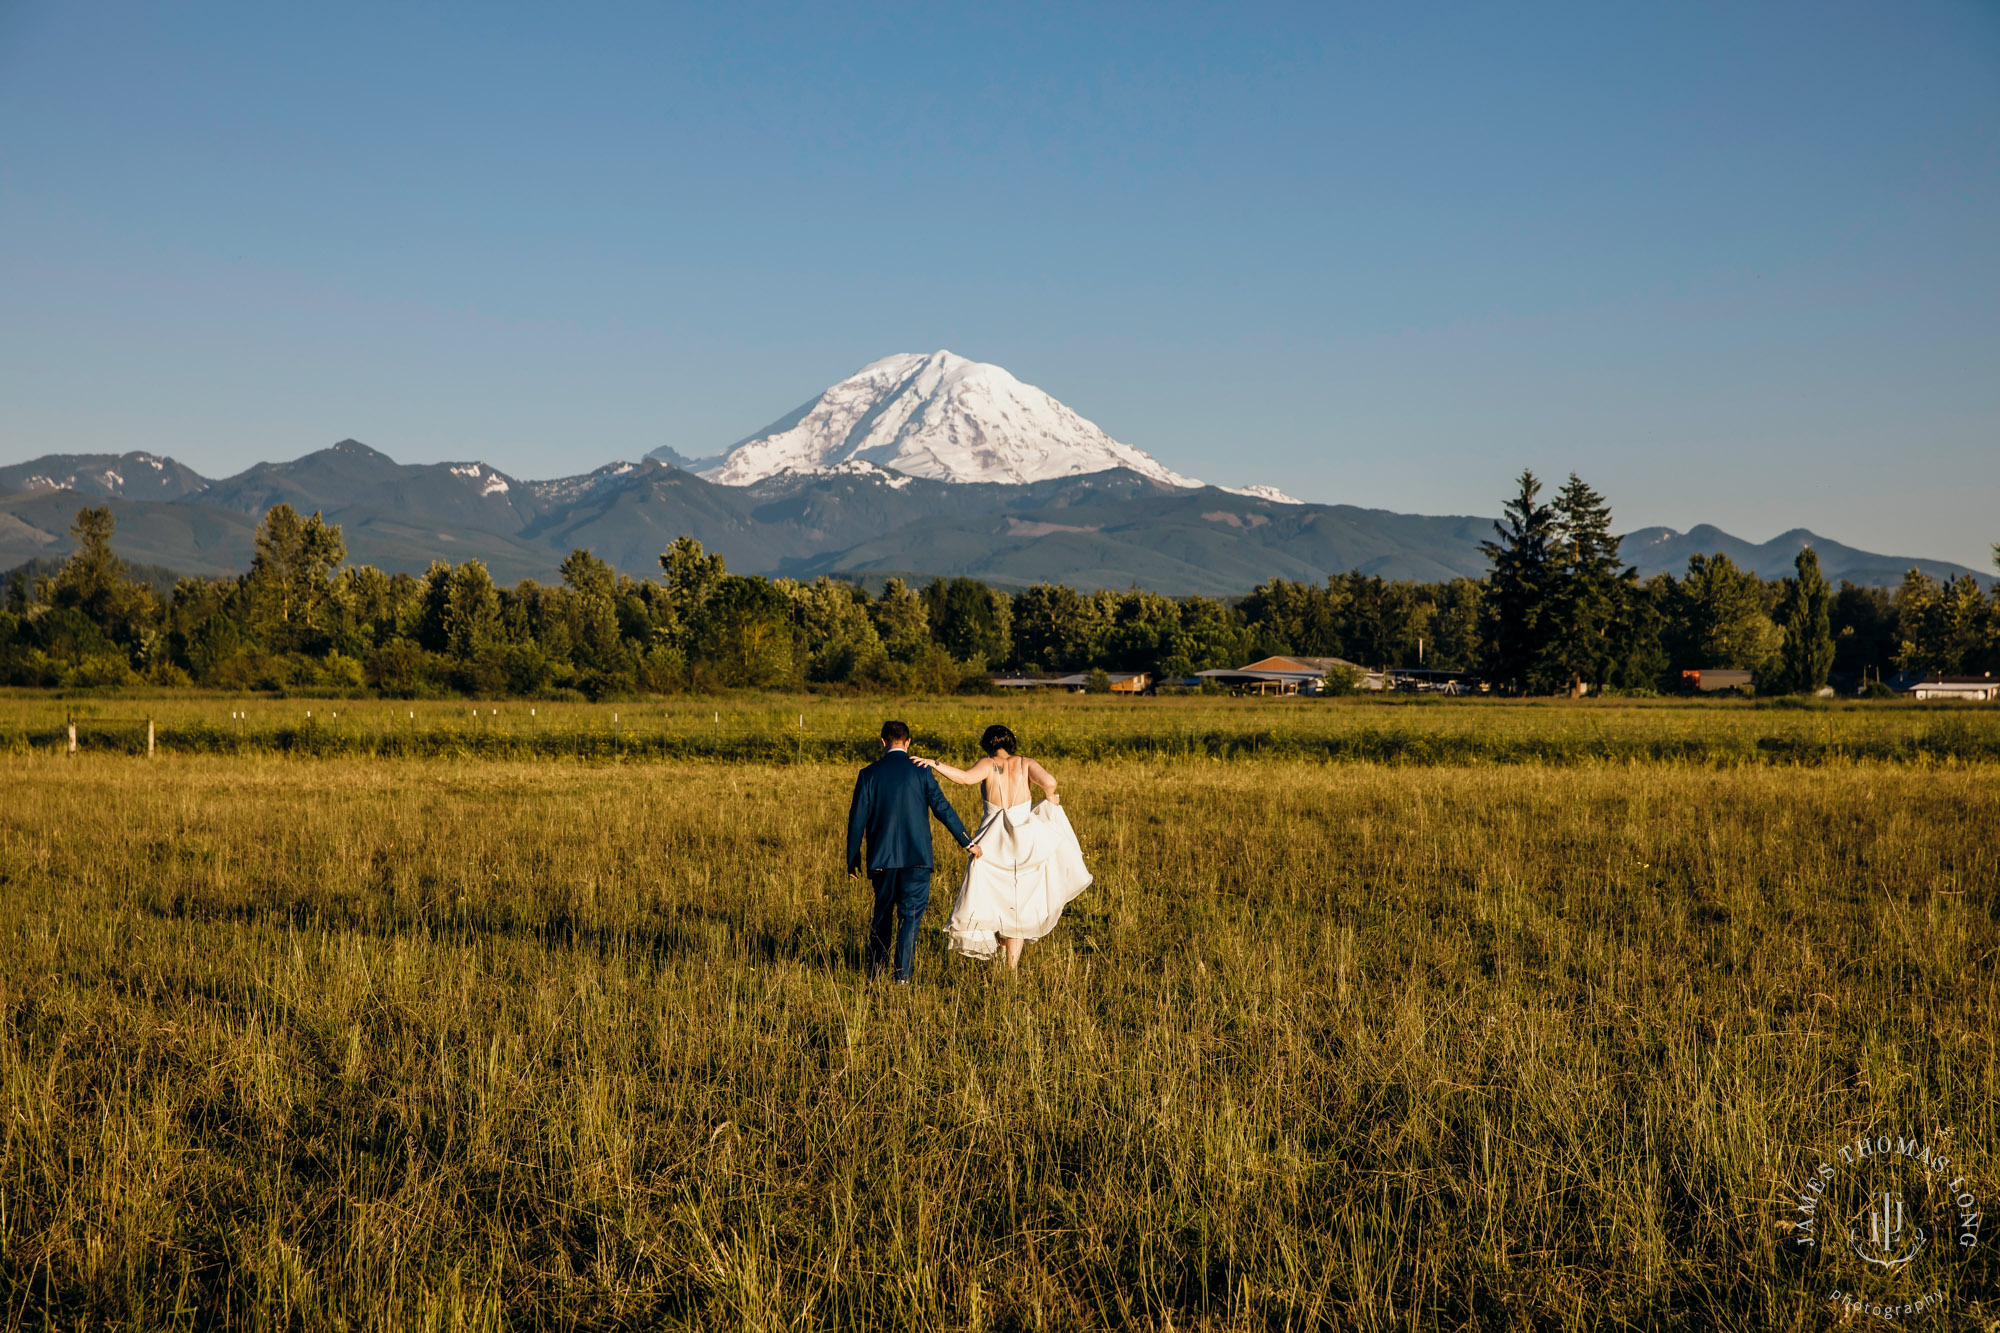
1030, 865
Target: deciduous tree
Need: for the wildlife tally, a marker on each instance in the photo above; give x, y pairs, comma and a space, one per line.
1717, 618
290, 584
744, 632
833, 637
901, 623
1943, 627
1056, 628
969, 620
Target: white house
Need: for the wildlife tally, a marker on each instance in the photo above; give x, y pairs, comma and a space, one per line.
1983, 688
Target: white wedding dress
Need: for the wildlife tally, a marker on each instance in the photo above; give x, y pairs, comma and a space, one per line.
1028, 870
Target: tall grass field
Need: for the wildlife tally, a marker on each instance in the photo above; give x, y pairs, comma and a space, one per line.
1378, 1016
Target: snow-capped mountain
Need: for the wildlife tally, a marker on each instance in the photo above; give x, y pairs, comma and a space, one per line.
940, 417
1271, 493
133, 476
564, 490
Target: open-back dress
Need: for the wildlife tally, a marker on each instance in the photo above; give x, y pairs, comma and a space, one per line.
1028, 870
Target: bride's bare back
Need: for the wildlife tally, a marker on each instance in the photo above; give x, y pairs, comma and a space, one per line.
1004, 778
1006, 781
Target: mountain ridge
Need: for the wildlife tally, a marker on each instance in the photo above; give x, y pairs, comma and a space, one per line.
1113, 528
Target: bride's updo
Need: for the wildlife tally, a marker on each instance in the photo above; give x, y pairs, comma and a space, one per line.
998, 738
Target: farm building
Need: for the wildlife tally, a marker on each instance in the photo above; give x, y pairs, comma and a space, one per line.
1289, 675
1710, 680
1980, 688
1289, 663
1122, 682
1423, 680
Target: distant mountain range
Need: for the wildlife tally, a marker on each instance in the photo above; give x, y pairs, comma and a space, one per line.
1113, 528
917, 465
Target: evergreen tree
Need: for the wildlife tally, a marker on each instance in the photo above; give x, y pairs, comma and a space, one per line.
1638, 659
89, 579
1576, 646
1864, 632
95, 585
1519, 588
1806, 617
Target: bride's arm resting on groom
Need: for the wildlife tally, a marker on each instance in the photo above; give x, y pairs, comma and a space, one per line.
980, 771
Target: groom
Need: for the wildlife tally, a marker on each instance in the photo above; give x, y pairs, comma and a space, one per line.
890, 796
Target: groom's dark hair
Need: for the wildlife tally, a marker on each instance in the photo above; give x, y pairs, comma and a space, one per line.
893, 732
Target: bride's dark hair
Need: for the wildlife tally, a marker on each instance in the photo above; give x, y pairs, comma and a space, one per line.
998, 738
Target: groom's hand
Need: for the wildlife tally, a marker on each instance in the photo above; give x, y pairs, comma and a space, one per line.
974, 851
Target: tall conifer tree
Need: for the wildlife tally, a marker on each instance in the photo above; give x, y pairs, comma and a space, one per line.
1518, 593
1807, 657
1583, 604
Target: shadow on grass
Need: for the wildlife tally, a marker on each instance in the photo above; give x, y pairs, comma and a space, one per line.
692, 933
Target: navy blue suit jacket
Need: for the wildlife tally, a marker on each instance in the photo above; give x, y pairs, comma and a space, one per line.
891, 797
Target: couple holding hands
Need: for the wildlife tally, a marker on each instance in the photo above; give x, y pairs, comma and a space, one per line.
1023, 865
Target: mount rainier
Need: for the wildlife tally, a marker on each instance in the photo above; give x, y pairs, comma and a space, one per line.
914, 467
940, 417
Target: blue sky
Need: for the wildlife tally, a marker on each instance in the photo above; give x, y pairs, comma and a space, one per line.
1733, 263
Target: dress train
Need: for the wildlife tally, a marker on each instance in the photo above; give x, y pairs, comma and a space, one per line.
1029, 868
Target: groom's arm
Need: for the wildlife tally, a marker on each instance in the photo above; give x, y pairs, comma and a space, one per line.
857, 820
942, 809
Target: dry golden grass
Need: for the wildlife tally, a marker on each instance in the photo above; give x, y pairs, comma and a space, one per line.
373, 1043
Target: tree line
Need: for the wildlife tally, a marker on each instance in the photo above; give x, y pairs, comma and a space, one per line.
1557, 612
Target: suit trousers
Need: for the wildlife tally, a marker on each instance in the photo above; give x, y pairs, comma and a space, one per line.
901, 895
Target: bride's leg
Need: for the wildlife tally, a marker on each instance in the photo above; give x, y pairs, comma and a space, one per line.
1014, 947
